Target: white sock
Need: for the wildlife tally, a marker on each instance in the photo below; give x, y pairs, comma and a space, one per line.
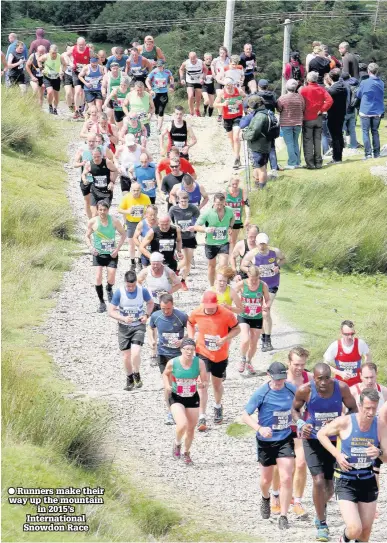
297, 500
217, 405
202, 416
275, 493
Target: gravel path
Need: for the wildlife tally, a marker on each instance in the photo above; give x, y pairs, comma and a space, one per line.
223, 482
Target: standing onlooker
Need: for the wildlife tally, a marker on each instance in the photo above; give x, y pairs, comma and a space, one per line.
371, 93
40, 40
295, 69
363, 72
336, 114
349, 127
311, 55
320, 64
257, 140
317, 101
291, 107
350, 62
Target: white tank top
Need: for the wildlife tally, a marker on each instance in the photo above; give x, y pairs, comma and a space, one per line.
157, 285
128, 158
194, 72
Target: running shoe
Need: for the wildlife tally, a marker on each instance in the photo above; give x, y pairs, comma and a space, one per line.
55, 111
218, 415
109, 295
237, 164
129, 383
250, 369
137, 380
265, 508
184, 285
50, 109
322, 532
169, 419
299, 511
101, 308
154, 361
133, 266
219, 118
197, 113
283, 523
139, 265
176, 451
202, 424
275, 506
242, 365
267, 346
76, 115
187, 459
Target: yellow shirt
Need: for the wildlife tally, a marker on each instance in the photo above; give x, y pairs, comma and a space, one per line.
224, 298
138, 204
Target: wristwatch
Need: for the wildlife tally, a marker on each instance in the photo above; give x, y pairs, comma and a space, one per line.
380, 453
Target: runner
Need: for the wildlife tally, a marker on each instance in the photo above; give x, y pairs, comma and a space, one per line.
91, 122
68, 84
104, 249
139, 101
137, 66
142, 228
233, 71
170, 180
225, 294
256, 301
179, 133
208, 87
53, 67
297, 376
217, 66
35, 73
117, 99
102, 60
323, 398
133, 207
216, 327
81, 57
166, 239
145, 174
170, 324
197, 194
237, 199
16, 61
102, 185
84, 156
249, 63
241, 248
91, 76
164, 165
275, 445
107, 131
347, 353
127, 307
132, 125
230, 102
269, 260
358, 439
184, 215
118, 57
150, 51
157, 84
216, 222
181, 385
195, 72
110, 80
126, 157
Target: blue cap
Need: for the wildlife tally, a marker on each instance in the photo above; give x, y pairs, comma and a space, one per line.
93, 59
263, 83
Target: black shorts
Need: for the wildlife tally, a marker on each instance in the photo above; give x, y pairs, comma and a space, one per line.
95, 198
85, 189
217, 369
212, 251
192, 402
40, 81
194, 85
141, 78
189, 243
105, 260
246, 81
269, 451
160, 102
18, 79
91, 95
130, 335
256, 324
357, 490
237, 226
273, 290
126, 183
152, 199
68, 80
54, 83
230, 123
147, 126
163, 361
118, 116
318, 459
209, 89
171, 263
77, 81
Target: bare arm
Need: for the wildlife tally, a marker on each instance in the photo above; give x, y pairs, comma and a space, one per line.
234, 255
246, 261
348, 400
247, 208
145, 242
125, 105
334, 428
89, 233
121, 230
28, 69
204, 194
137, 234
181, 73
167, 373
174, 280
300, 399
237, 307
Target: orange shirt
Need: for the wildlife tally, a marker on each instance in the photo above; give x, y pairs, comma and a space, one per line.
211, 328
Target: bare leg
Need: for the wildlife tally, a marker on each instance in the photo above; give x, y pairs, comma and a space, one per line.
190, 93
285, 470
127, 362
203, 395
192, 419
136, 357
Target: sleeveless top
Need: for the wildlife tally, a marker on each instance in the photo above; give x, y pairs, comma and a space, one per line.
323, 410
223, 297
235, 106
209, 77
136, 68
193, 72
147, 178
184, 380
80, 59
140, 105
149, 55
130, 158
164, 243
178, 136
252, 301
101, 178
37, 72
119, 99
113, 81
349, 362
136, 131
95, 78
266, 264
104, 237
157, 285
236, 204
133, 307
52, 67
195, 196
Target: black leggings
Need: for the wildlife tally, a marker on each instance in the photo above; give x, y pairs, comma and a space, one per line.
160, 102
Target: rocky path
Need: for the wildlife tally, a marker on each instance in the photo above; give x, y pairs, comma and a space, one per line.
222, 485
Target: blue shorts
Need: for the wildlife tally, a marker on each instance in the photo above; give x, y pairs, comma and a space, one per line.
260, 159
91, 95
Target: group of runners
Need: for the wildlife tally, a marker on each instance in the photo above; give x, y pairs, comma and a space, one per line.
327, 419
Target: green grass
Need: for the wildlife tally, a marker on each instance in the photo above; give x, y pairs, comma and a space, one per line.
29, 26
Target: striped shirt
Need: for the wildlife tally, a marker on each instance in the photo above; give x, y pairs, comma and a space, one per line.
291, 107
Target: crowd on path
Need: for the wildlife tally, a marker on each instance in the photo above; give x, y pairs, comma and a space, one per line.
333, 419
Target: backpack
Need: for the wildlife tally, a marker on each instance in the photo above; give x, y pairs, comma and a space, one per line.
273, 130
296, 72
353, 100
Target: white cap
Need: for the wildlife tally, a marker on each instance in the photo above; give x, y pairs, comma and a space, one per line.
130, 139
262, 238
157, 257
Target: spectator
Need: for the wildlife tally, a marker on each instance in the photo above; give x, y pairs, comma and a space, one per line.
270, 101
291, 107
309, 56
349, 127
333, 61
317, 101
363, 72
13, 40
349, 60
370, 93
295, 69
40, 40
336, 114
320, 64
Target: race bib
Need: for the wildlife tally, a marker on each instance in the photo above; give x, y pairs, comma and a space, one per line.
136, 70
170, 339
249, 65
359, 458
137, 211
52, 75
95, 82
185, 387
184, 225
351, 367
68, 71
252, 306
156, 294
179, 144
100, 181
196, 76
133, 312
38, 73
166, 245
323, 418
220, 233
237, 214
209, 79
149, 184
210, 342
161, 83
79, 66
107, 245
281, 420
142, 115
266, 270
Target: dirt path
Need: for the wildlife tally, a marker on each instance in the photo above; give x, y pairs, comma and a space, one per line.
223, 483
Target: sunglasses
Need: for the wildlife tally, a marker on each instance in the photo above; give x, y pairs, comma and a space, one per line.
349, 334
173, 166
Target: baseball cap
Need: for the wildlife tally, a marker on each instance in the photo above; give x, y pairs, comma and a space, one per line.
94, 59
209, 299
262, 238
277, 371
156, 257
130, 139
263, 83
160, 62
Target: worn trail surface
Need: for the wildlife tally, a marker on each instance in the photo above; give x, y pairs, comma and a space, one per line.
222, 485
